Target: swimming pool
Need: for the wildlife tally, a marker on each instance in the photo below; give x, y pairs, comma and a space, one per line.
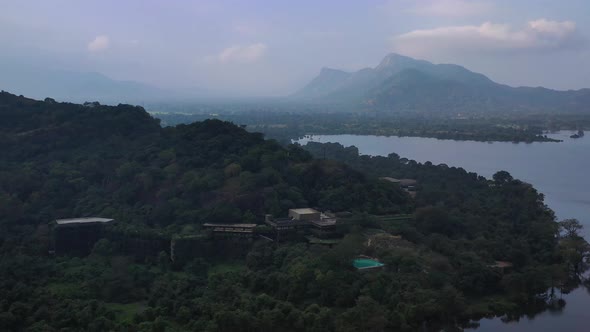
366, 263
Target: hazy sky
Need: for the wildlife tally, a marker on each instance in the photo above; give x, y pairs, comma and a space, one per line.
273, 47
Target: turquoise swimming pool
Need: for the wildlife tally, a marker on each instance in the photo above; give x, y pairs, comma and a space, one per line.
366, 263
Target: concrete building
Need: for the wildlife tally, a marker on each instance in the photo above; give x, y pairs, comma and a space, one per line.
304, 214
404, 183
317, 222
390, 179
285, 224
77, 236
408, 185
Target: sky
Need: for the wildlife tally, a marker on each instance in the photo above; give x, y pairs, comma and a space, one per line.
274, 47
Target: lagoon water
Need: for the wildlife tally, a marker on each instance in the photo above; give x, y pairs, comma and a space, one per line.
558, 170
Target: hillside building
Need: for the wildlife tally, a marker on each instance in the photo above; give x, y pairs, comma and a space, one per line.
319, 223
77, 236
408, 185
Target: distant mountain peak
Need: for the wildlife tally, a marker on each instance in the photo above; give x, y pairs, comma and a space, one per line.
401, 83
392, 57
75, 86
397, 60
327, 71
328, 80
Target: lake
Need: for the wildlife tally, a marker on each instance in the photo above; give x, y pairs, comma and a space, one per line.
558, 170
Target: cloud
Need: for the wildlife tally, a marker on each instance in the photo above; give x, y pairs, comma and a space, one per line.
100, 43
452, 8
538, 35
242, 54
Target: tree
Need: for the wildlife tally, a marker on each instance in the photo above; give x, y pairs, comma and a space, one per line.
163, 260
367, 315
571, 227
575, 250
343, 253
197, 267
103, 247
451, 301
502, 177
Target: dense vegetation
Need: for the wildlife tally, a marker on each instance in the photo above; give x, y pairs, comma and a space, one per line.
118, 161
65, 160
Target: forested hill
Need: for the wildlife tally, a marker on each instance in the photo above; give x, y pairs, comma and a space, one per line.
63, 160
156, 268
402, 84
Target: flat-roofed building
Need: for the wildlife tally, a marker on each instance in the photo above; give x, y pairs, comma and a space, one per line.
284, 224
83, 221
77, 236
390, 179
324, 223
408, 183
404, 183
304, 214
321, 224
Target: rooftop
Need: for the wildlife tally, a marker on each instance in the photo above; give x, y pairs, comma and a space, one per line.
88, 220
408, 182
304, 211
402, 182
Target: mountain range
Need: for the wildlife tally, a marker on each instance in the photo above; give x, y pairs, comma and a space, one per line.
400, 83
78, 87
